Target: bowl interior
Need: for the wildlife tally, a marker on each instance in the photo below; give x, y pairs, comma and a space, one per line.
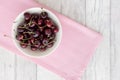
37, 53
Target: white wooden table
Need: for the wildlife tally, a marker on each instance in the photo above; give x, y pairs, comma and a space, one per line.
100, 15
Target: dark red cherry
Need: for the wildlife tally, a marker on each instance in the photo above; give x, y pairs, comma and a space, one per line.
20, 30
42, 49
36, 34
53, 26
23, 45
19, 37
27, 16
41, 37
44, 15
40, 22
26, 35
45, 41
37, 43
50, 45
56, 30
49, 23
33, 48
35, 16
41, 28
34, 21
48, 32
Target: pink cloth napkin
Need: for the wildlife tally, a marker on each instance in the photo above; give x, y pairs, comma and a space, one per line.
74, 53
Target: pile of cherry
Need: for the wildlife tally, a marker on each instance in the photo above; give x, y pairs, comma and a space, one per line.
37, 31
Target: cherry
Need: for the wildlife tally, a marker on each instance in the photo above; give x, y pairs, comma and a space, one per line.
23, 45
41, 37
37, 44
50, 45
27, 16
20, 30
33, 48
45, 41
53, 27
41, 29
44, 15
35, 16
19, 37
34, 21
26, 35
49, 23
40, 22
42, 48
48, 32
55, 30
36, 34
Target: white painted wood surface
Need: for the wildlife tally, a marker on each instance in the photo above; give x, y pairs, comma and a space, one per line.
100, 15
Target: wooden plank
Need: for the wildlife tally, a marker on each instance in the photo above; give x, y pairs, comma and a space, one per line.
25, 70
74, 10
98, 18
6, 65
44, 74
115, 40
54, 4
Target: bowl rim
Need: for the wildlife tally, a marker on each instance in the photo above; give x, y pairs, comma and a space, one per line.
38, 56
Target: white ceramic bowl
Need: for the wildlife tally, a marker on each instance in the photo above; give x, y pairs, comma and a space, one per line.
37, 53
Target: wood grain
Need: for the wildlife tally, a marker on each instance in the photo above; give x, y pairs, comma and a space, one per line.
55, 4
98, 18
7, 65
24, 69
44, 74
74, 10
115, 40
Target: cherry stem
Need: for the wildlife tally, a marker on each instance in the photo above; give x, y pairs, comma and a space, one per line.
26, 39
51, 38
13, 38
50, 42
30, 21
29, 32
25, 43
7, 36
25, 28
